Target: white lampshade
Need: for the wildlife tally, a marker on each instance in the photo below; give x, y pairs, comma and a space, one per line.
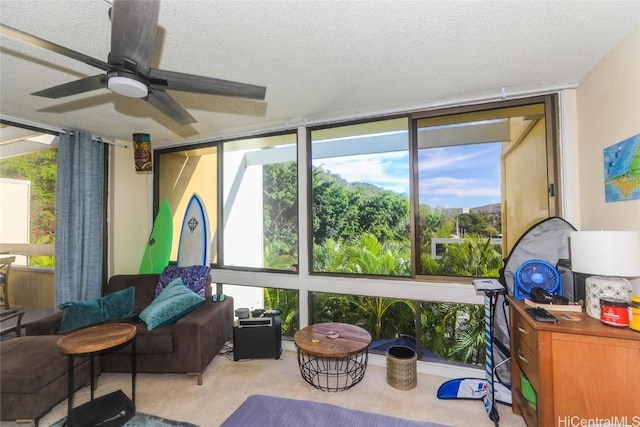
606, 253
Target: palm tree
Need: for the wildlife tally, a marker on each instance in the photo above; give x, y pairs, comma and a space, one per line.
374, 309
470, 339
275, 256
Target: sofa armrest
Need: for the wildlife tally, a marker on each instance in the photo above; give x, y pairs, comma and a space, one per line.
46, 326
201, 334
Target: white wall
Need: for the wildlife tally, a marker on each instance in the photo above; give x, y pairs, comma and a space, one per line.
130, 211
608, 106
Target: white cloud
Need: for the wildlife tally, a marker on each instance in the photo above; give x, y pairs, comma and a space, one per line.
458, 187
389, 171
452, 157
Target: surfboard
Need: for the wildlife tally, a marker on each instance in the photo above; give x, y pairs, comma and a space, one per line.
158, 250
194, 247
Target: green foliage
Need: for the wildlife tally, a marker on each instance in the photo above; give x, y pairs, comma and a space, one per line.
362, 229
43, 261
40, 168
280, 184
276, 256
286, 300
474, 257
343, 211
454, 331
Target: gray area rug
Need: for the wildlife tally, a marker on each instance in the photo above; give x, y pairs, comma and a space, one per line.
143, 420
268, 411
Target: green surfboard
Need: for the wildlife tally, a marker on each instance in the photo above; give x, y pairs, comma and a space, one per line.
158, 250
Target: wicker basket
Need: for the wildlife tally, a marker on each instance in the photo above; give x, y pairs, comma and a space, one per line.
401, 368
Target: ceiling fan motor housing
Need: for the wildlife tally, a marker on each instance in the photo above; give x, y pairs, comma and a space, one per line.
127, 84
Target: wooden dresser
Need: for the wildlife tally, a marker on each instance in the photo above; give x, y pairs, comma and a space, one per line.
582, 371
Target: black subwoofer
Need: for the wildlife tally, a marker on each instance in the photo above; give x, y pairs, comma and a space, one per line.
257, 342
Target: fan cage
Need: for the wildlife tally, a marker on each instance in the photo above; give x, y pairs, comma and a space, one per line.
551, 281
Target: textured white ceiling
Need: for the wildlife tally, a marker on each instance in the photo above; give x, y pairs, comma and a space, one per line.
320, 60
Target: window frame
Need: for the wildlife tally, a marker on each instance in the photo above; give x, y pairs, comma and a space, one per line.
551, 110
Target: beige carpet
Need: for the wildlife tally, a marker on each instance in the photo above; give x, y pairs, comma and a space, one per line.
226, 384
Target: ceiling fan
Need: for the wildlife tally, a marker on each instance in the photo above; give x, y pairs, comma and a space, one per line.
133, 34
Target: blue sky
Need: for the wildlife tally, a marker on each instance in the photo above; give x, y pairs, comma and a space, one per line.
452, 177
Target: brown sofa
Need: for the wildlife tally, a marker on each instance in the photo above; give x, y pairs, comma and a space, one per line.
33, 377
187, 346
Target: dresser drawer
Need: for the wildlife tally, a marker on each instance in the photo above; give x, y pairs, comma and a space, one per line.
525, 332
527, 359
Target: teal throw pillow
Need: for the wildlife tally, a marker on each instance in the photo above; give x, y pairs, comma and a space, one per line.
175, 301
109, 308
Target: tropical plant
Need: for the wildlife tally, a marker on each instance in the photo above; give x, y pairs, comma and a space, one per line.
470, 339
276, 256
285, 300
40, 169
374, 309
42, 260
475, 257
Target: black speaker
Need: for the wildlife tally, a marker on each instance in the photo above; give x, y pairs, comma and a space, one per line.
257, 341
573, 286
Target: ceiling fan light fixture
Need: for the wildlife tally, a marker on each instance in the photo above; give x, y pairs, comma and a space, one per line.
128, 87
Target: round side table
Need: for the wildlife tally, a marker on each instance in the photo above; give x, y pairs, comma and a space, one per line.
332, 356
92, 341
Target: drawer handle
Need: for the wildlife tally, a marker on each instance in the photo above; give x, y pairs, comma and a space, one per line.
522, 330
521, 357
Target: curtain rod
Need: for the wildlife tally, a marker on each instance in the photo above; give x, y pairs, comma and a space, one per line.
53, 130
99, 139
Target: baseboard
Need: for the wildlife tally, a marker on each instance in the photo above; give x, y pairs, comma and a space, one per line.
430, 368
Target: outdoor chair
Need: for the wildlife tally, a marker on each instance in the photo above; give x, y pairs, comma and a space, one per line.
5, 267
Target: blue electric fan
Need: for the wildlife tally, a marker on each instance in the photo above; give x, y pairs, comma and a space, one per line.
536, 273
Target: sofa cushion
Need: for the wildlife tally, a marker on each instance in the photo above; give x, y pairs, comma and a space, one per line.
79, 314
30, 363
175, 301
194, 277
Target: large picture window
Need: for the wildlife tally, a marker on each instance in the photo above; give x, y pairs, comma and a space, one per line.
481, 177
360, 199
261, 202
418, 203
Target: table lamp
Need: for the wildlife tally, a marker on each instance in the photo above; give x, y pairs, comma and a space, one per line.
611, 256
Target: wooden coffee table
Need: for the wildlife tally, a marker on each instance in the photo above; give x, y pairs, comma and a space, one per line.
332, 356
115, 407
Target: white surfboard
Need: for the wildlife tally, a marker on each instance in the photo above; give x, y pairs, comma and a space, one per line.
194, 247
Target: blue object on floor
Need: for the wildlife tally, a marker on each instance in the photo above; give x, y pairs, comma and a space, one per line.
473, 389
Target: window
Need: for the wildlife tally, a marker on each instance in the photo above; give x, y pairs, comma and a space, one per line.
437, 196
439, 332
261, 202
482, 177
28, 173
179, 174
285, 300
360, 199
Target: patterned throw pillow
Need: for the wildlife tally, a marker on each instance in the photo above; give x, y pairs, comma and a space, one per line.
194, 277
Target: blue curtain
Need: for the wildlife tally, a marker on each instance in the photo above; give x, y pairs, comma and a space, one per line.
79, 217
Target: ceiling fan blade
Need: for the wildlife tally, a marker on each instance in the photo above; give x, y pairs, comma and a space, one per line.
75, 87
169, 106
37, 41
191, 83
134, 25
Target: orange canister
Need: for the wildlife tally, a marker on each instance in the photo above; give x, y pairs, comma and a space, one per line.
634, 315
